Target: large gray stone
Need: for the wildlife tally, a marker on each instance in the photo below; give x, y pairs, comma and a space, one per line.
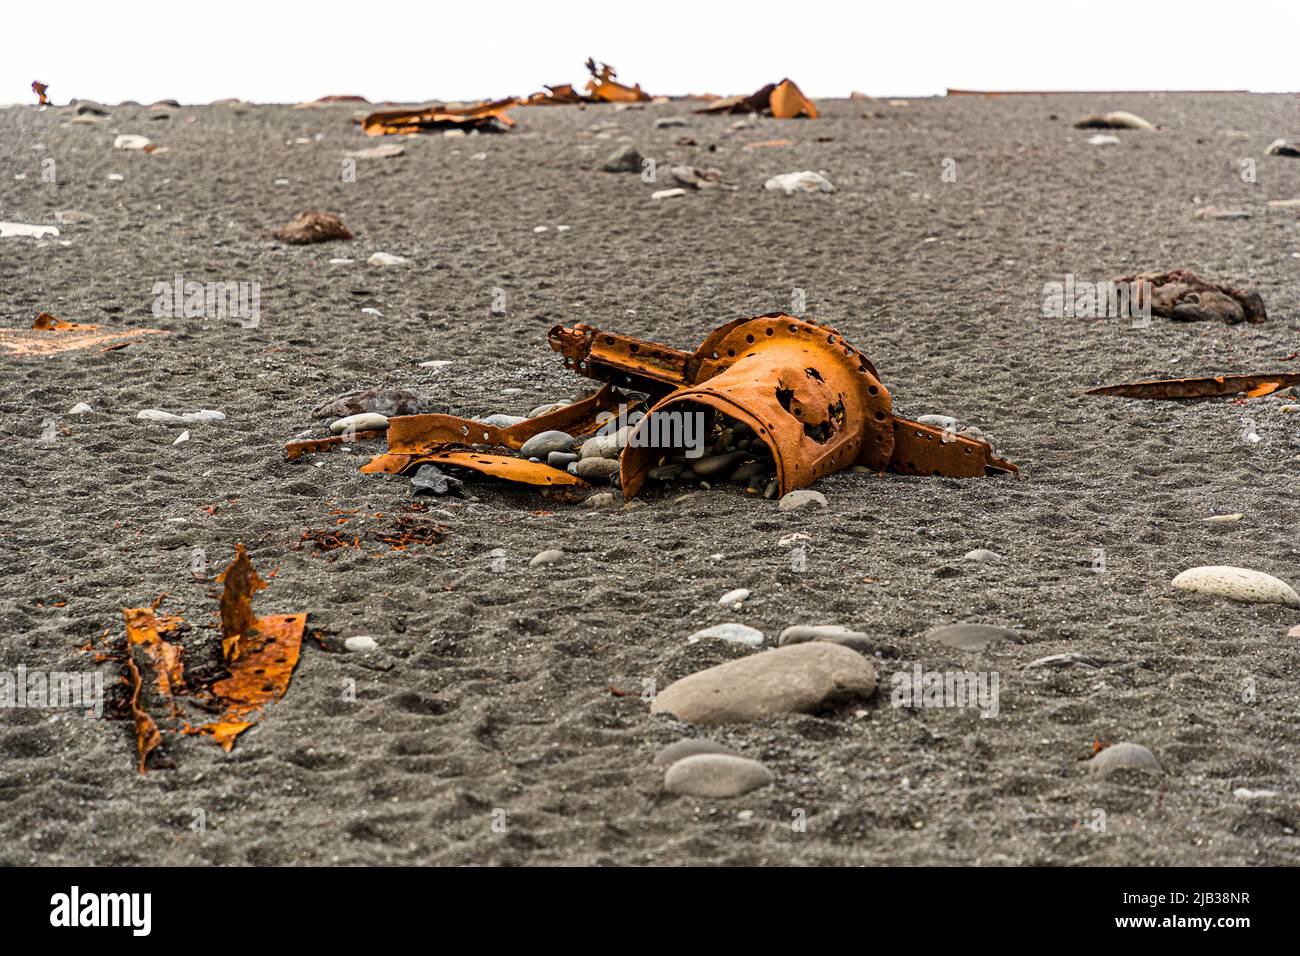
799, 678
715, 775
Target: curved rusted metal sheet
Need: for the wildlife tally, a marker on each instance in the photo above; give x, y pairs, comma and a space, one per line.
815, 401
808, 396
485, 117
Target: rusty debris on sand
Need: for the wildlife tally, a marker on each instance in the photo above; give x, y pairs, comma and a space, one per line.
1182, 294
487, 117
812, 399
1217, 386
782, 100
603, 87
39, 89
311, 227
51, 336
255, 663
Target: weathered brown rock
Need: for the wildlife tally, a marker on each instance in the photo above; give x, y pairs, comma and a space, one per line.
1182, 294
308, 227
798, 678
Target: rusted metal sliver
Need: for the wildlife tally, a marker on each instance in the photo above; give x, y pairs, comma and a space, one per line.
502, 466
620, 359
1218, 386
783, 100
925, 450
420, 434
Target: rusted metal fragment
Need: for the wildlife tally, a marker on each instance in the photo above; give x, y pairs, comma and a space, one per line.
603, 87
388, 464
48, 323
420, 434
268, 652
501, 466
241, 582
155, 674
37, 342
813, 399
1252, 386
782, 100
39, 89
1182, 294
925, 450
296, 449
485, 117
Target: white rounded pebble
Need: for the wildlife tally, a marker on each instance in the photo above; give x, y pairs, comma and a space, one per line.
715, 775
983, 554
81, 408
553, 556
1220, 519
131, 141
1238, 584
386, 259
182, 437
734, 597
361, 643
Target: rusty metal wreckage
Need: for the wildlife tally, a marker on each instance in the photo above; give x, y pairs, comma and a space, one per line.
815, 401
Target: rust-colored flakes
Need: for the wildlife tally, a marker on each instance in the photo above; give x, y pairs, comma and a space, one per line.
259, 655
1217, 386
311, 227
485, 117
782, 100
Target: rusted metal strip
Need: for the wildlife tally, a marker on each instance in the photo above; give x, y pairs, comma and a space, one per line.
1216, 386
501, 466
296, 449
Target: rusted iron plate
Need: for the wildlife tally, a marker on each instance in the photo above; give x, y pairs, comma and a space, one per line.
388, 464
925, 450
296, 449
484, 117
1253, 386
813, 399
501, 466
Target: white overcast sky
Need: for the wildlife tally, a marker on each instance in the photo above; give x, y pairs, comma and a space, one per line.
267, 51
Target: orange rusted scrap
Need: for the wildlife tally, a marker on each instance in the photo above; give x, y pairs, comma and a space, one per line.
815, 401
601, 88
48, 323
295, 449
312, 226
489, 117
1218, 386
782, 100
39, 89
1182, 294
604, 88
259, 654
